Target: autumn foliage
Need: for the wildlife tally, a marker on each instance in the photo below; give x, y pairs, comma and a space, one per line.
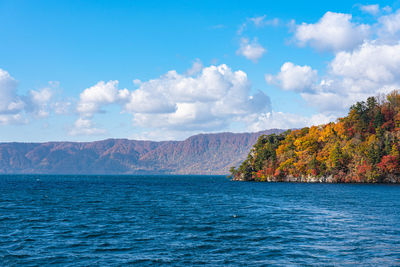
362, 147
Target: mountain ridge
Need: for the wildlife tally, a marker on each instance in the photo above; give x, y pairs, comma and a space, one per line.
199, 154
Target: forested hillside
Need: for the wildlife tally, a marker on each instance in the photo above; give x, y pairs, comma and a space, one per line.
199, 154
362, 147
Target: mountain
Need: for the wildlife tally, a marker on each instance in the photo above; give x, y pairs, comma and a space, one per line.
199, 154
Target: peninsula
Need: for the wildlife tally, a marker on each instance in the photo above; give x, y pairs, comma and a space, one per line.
362, 147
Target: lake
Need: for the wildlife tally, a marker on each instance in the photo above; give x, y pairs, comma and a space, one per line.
194, 220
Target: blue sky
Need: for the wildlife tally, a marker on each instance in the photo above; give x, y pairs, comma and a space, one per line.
83, 71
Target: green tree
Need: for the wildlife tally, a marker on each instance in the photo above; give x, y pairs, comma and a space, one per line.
336, 157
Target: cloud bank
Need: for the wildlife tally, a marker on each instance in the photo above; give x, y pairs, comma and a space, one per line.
210, 100
364, 65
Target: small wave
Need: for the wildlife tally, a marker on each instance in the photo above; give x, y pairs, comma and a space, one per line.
112, 249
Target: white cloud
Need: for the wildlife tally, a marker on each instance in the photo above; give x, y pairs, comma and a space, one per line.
147, 100
14, 108
211, 100
258, 22
353, 76
40, 101
10, 103
389, 27
334, 31
103, 93
251, 50
91, 101
370, 9
361, 67
197, 66
369, 67
329, 102
294, 77
83, 126
281, 120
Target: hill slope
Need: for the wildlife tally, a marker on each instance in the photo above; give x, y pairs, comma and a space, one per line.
199, 154
362, 147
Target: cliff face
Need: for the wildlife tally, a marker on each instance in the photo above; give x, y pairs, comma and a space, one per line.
200, 154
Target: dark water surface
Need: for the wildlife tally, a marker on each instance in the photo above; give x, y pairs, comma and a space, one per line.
195, 220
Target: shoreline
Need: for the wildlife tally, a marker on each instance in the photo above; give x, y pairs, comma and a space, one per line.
310, 179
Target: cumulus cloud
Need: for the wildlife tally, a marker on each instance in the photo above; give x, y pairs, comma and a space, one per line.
333, 32
91, 101
366, 60
251, 50
211, 99
376, 63
352, 76
92, 98
370, 9
294, 77
14, 108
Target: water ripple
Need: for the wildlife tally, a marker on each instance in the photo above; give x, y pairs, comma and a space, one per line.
196, 221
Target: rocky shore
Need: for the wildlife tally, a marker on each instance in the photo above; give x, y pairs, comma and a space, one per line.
392, 179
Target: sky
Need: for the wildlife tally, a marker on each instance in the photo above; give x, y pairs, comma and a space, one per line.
166, 70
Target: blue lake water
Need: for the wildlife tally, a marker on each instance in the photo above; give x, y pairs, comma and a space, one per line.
194, 220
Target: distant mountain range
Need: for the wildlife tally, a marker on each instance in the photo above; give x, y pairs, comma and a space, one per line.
199, 154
